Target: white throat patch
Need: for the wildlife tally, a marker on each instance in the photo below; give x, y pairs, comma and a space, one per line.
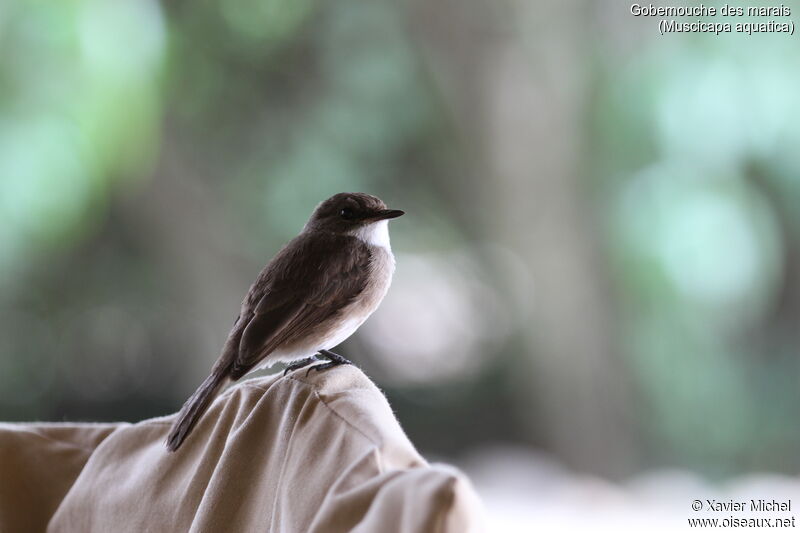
376, 234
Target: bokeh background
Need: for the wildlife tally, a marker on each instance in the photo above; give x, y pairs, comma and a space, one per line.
597, 297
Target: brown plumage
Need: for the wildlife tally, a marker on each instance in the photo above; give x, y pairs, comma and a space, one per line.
312, 295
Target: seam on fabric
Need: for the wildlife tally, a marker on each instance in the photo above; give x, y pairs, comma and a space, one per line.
449, 504
284, 462
314, 390
336, 413
70, 443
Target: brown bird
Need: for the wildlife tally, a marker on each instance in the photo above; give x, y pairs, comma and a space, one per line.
315, 293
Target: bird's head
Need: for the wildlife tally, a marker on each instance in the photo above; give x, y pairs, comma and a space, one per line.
354, 213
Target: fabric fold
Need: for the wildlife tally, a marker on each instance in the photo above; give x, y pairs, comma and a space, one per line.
318, 453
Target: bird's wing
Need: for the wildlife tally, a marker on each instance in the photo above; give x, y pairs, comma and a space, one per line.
310, 280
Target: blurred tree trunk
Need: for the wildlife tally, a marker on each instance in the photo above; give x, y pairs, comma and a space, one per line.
515, 74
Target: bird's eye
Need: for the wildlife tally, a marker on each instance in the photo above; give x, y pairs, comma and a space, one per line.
347, 214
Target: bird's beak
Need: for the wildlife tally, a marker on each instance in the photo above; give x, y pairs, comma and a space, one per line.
386, 214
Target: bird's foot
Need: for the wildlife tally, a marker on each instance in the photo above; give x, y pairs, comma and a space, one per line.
302, 363
335, 357
334, 360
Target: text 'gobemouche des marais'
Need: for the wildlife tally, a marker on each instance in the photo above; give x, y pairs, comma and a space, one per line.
670, 16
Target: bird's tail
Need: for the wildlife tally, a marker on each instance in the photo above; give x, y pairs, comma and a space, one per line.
194, 408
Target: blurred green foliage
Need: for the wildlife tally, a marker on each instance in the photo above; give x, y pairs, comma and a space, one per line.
152, 156
694, 143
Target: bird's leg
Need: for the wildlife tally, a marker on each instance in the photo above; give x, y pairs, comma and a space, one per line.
335, 357
300, 364
334, 360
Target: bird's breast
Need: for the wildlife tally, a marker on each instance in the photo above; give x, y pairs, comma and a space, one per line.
381, 269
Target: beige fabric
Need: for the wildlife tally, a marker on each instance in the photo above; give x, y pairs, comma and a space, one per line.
321, 453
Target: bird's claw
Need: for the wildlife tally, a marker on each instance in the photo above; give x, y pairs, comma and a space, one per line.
302, 363
334, 359
325, 366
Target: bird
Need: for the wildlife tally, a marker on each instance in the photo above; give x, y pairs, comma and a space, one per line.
311, 296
